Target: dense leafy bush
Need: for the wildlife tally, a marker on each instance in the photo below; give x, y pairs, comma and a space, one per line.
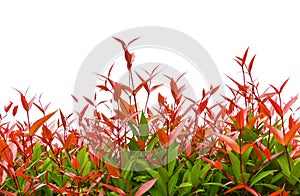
248, 147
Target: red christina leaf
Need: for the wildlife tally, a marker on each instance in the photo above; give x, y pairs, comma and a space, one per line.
14, 112
75, 98
230, 142
70, 140
245, 56
46, 132
145, 187
115, 189
6, 108
265, 150
289, 104
216, 164
257, 152
83, 110
36, 125
141, 144
245, 148
288, 138
283, 85
174, 88
241, 87
55, 188
153, 88
251, 64
102, 87
75, 163
264, 109
161, 99
177, 131
163, 137
252, 191
202, 106
291, 122
7, 193
5, 152
278, 192
235, 188
121, 42
89, 100
277, 134
240, 119
63, 120
276, 107
113, 171
24, 102
39, 107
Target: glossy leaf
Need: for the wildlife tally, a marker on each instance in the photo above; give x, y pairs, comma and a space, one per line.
35, 127
145, 187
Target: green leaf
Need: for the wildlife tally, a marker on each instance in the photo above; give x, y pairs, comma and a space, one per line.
235, 162
185, 184
82, 157
144, 129
270, 186
133, 128
195, 173
260, 176
152, 143
37, 152
295, 174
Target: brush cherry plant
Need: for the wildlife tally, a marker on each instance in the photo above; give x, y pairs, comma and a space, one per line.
250, 146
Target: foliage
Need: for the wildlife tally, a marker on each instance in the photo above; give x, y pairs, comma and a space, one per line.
246, 145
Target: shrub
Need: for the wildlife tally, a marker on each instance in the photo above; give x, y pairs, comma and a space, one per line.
248, 147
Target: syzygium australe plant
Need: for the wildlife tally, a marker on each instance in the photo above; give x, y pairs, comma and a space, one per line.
249, 147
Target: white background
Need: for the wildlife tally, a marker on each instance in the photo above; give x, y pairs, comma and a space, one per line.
43, 43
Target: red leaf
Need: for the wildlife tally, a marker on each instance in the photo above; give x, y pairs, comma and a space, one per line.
278, 192
63, 120
46, 133
163, 137
102, 87
34, 128
216, 164
14, 112
141, 144
5, 152
240, 119
88, 100
202, 106
7, 193
265, 150
115, 189
289, 104
145, 187
113, 171
276, 107
245, 57
177, 131
252, 191
70, 140
235, 188
75, 98
282, 86
174, 88
161, 99
75, 163
251, 64
264, 109
24, 102
6, 108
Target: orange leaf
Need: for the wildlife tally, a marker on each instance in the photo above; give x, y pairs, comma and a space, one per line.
70, 140
75, 163
163, 137
291, 134
264, 109
145, 187
240, 119
230, 142
35, 127
277, 134
46, 132
113, 171
235, 188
